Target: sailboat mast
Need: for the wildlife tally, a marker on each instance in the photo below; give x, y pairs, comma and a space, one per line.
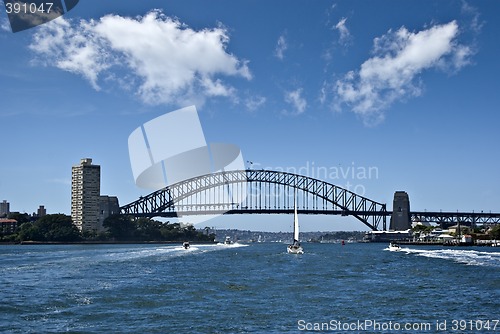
295, 218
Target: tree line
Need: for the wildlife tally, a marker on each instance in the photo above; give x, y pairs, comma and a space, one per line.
60, 228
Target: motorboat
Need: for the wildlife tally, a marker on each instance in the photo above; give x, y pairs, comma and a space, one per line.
186, 245
393, 247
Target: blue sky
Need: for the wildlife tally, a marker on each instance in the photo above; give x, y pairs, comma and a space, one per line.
408, 89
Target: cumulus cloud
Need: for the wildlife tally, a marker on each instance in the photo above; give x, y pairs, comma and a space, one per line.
165, 61
392, 74
296, 100
281, 47
77, 50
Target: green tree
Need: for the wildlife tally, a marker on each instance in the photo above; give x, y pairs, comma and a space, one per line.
148, 229
55, 227
125, 228
170, 231
95, 236
28, 232
20, 217
423, 228
58, 227
120, 227
495, 232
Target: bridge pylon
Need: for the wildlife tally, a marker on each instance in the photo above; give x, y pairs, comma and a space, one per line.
400, 218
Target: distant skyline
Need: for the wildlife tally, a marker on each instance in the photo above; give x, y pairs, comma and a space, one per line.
377, 96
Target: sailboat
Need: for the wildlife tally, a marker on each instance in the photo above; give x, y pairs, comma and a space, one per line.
295, 247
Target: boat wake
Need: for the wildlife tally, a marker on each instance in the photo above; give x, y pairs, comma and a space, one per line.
232, 245
131, 254
190, 249
468, 257
168, 251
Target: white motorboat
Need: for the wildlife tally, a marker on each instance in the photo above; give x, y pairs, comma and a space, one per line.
227, 241
393, 247
295, 247
186, 245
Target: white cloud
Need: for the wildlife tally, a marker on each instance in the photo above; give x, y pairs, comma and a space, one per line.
281, 47
5, 24
323, 93
392, 74
78, 51
255, 102
475, 24
170, 63
296, 100
345, 35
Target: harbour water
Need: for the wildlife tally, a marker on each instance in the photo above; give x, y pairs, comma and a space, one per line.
256, 288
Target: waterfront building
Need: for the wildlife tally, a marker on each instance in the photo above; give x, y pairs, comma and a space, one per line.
387, 236
41, 211
108, 206
4, 208
7, 226
85, 196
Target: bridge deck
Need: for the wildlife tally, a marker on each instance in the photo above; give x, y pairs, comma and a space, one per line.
452, 218
444, 218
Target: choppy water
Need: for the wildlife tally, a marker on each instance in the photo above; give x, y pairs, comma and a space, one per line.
255, 288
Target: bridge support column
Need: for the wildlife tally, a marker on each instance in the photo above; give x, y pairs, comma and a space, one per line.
400, 219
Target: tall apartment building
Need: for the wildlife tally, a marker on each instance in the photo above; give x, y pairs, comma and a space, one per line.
85, 196
4, 208
41, 211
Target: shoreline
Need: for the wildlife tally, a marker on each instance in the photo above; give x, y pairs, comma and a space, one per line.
493, 243
24, 243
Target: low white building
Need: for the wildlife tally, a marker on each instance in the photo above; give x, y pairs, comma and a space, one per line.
387, 236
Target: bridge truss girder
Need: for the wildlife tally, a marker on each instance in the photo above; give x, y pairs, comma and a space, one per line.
446, 219
257, 192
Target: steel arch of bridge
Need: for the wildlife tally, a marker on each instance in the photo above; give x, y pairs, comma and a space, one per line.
276, 191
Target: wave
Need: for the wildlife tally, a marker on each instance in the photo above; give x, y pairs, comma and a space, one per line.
468, 257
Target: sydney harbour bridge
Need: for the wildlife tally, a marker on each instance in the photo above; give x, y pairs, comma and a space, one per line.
272, 192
